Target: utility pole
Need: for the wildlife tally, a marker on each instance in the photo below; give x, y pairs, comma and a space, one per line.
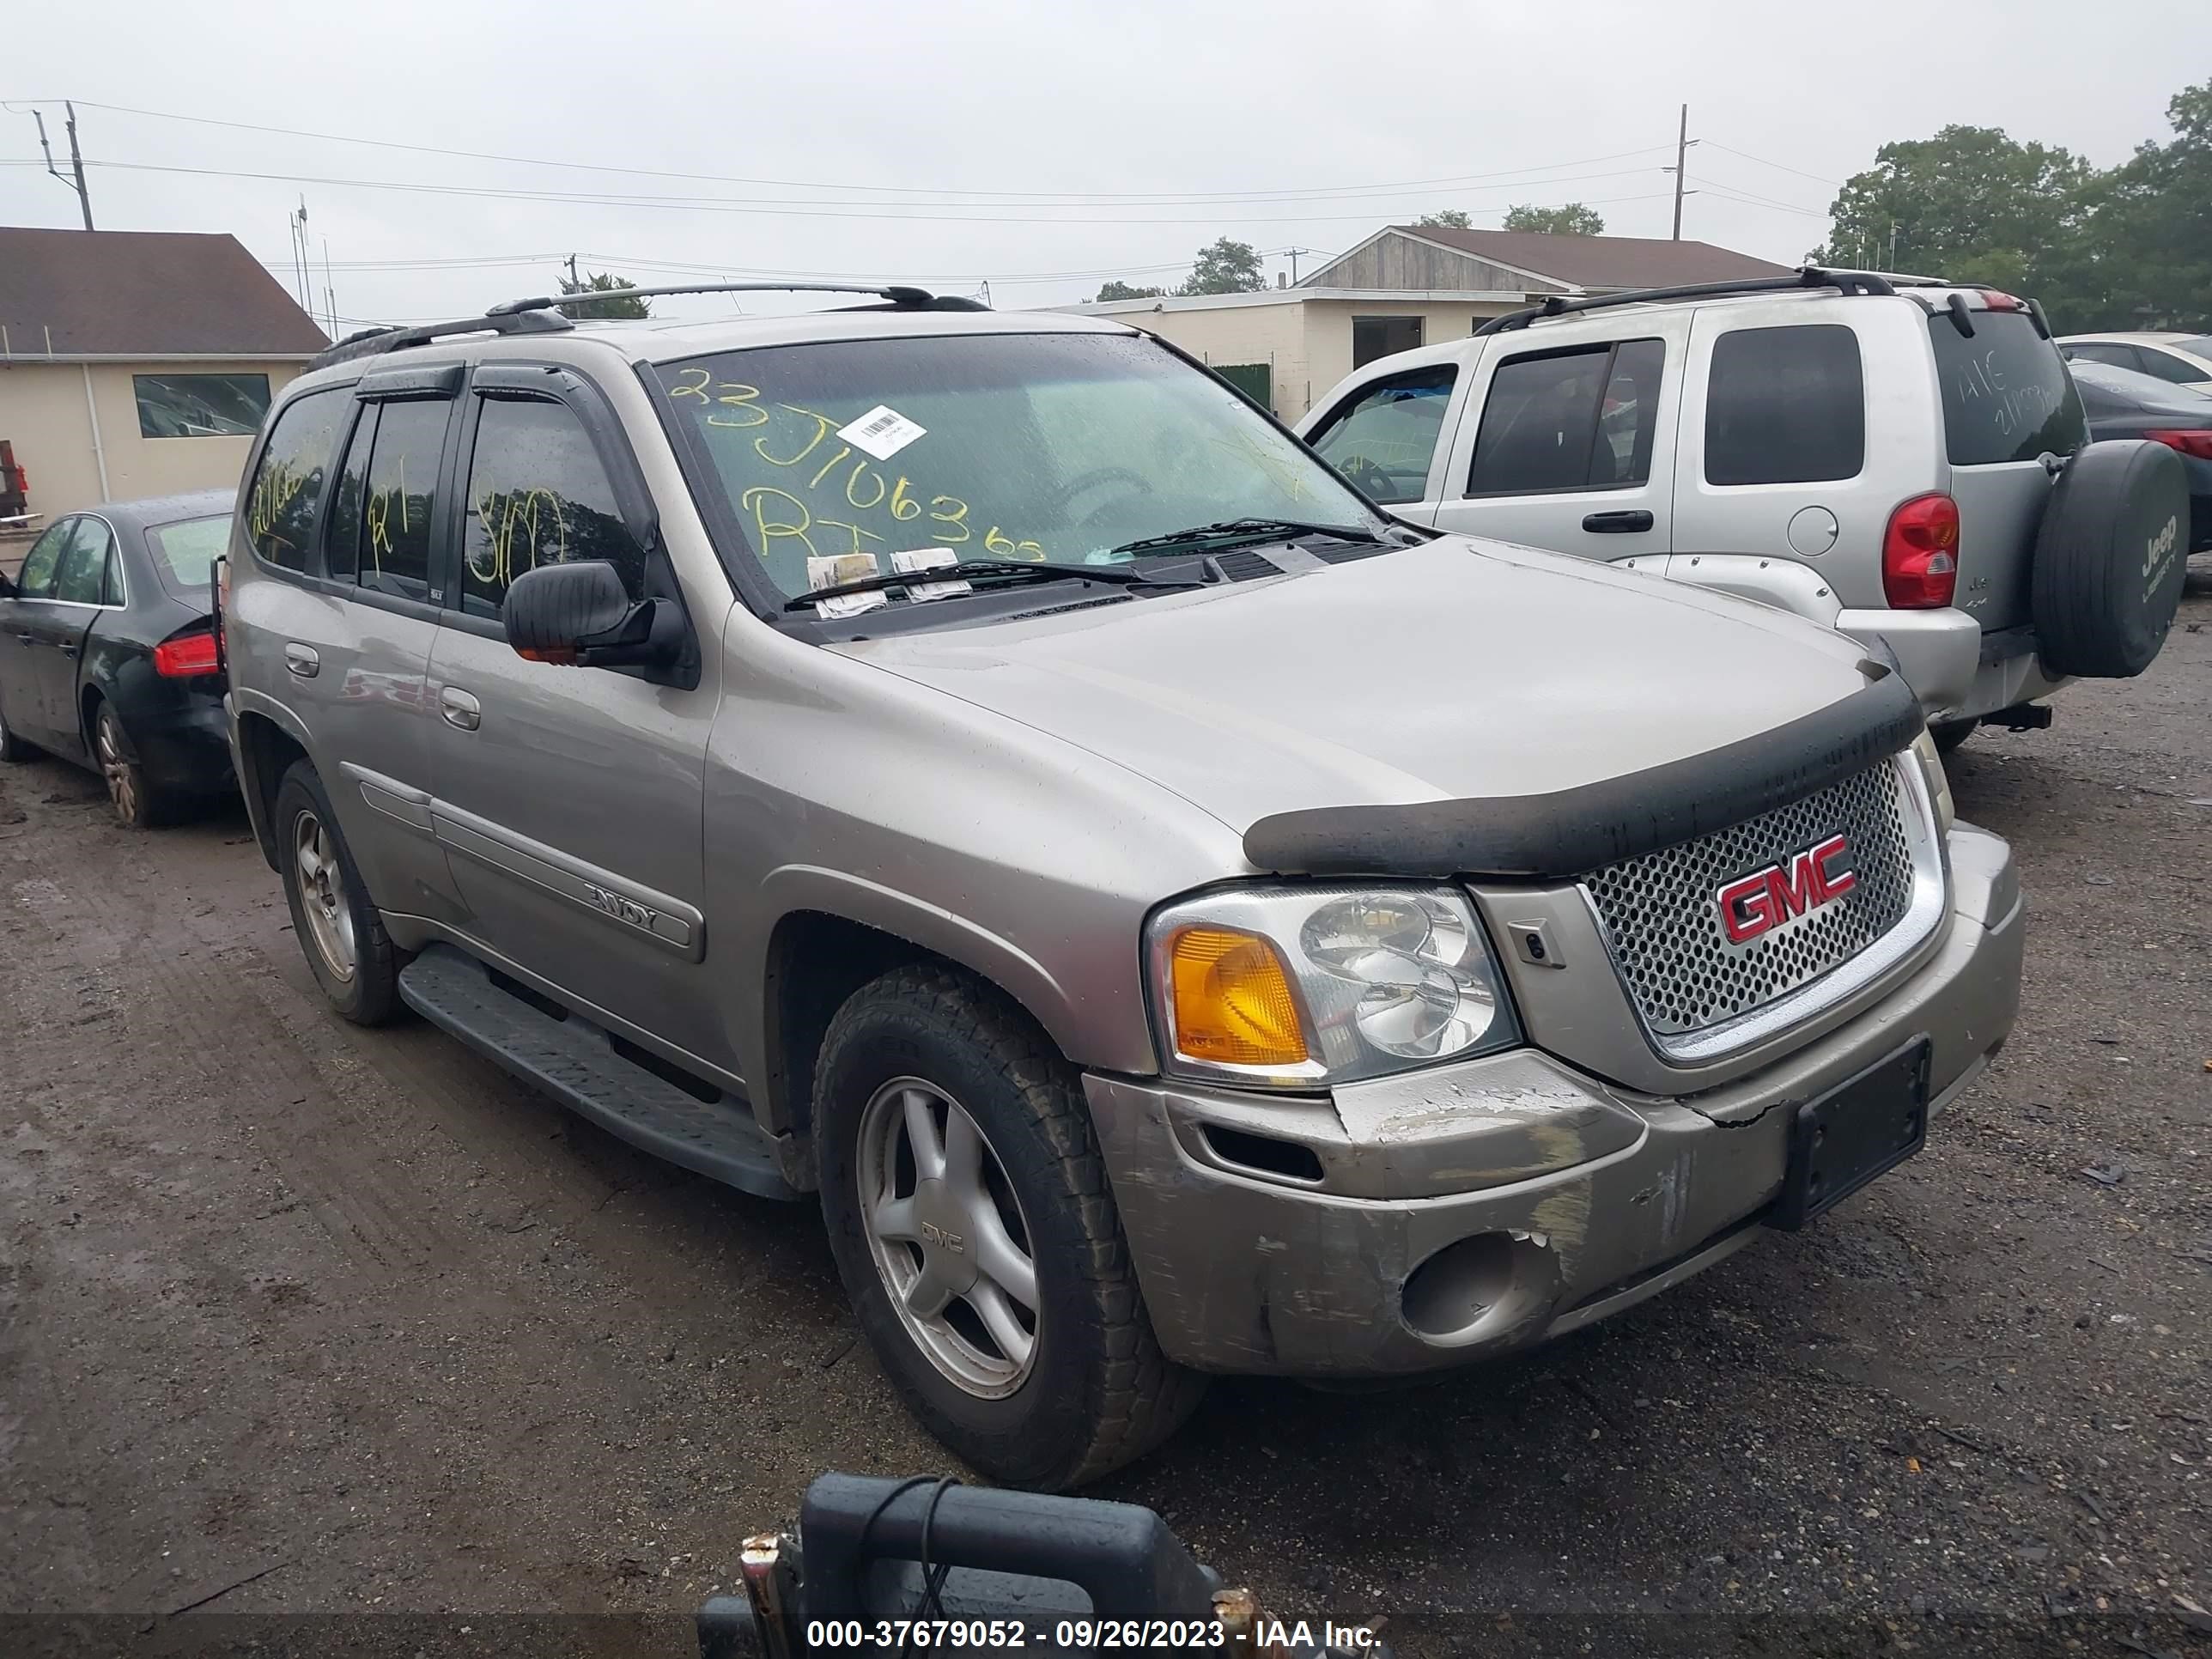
575, 282
1681, 168
1892, 244
1294, 252
77, 161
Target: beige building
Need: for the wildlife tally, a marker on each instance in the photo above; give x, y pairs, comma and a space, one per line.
1287, 346
133, 364
1405, 286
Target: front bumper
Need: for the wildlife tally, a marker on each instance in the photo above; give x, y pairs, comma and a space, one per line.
1513, 1199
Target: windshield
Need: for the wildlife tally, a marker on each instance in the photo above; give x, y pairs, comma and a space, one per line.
833, 457
184, 553
2006, 394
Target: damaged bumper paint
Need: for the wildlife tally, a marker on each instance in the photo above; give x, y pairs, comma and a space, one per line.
1453, 1214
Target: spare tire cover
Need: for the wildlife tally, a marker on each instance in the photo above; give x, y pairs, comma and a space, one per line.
2110, 559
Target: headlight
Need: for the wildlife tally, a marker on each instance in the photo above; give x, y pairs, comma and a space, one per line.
1299, 986
1939, 786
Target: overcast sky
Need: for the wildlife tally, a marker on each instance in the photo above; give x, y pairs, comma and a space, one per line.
1043, 147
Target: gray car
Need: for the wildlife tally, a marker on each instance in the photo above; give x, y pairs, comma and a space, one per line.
980, 770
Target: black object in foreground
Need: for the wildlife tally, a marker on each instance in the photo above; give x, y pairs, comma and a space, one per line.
882, 1565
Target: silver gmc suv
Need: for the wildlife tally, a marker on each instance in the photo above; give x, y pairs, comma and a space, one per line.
980, 770
1904, 460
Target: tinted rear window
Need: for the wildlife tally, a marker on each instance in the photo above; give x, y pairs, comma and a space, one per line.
2006, 395
183, 552
1785, 405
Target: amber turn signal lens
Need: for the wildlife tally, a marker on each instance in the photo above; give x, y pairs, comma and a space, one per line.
1233, 999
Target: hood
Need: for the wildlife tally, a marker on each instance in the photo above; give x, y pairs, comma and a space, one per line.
1447, 670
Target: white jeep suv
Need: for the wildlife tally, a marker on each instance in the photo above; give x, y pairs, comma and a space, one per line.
1906, 462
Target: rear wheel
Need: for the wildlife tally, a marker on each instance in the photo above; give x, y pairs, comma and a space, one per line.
1949, 734
339, 931
973, 1228
138, 802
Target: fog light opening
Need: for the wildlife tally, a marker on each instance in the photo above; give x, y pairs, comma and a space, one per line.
1286, 1158
1477, 1287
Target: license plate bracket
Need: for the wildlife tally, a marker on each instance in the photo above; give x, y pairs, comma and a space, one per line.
1860, 1130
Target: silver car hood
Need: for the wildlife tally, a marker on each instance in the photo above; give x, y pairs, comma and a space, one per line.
1456, 669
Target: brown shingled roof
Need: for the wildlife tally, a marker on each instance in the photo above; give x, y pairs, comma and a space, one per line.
1601, 261
143, 294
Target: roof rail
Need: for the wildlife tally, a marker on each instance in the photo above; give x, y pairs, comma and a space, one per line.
897, 296
1844, 282
375, 342
541, 313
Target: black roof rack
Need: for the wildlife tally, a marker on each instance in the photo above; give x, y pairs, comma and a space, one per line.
541, 314
1844, 282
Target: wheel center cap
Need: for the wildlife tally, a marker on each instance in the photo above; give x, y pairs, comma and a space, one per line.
947, 1240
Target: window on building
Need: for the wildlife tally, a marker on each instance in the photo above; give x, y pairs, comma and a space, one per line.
1787, 405
538, 495
200, 405
1579, 419
1383, 438
287, 485
1378, 336
400, 498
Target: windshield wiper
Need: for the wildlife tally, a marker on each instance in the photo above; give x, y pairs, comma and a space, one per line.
970, 569
1247, 529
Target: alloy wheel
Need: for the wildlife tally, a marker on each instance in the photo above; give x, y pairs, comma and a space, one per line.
322, 894
948, 1237
120, 771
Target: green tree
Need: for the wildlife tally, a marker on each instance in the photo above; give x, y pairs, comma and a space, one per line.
1974, 204
1572, 220
1114, 290
1227, 266
1446, 219
2151, 221
601, 283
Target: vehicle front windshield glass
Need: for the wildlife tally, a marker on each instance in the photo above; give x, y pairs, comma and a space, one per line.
833, 458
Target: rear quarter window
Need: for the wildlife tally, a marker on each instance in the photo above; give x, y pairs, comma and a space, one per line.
2007, 395
287, 486
1785, 405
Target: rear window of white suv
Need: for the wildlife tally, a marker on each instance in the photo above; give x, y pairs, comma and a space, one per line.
2007, 395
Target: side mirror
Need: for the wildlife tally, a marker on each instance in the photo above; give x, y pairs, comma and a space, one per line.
580, 614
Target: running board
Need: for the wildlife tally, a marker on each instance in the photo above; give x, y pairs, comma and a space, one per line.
572, 1060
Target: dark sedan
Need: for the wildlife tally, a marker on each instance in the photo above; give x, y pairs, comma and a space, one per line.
108, 653
2122, 404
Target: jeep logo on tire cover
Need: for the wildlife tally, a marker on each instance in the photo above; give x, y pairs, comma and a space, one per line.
2158, 552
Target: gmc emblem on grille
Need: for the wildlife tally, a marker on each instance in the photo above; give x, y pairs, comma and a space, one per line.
1782, 892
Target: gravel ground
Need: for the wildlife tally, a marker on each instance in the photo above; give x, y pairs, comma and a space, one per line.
300, 1320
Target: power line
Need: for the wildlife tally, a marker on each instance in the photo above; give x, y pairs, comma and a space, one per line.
1777, 166
718, 204
1034, 198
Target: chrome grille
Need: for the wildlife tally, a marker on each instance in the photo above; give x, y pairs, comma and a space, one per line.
1663, 917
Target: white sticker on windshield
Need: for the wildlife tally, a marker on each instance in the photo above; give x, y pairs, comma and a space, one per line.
929, 558
838, 568
882, 432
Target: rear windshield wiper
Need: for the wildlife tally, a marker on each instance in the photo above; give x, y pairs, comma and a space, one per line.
970, 569
1248, 530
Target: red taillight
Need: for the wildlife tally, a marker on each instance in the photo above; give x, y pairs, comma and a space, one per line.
1920, 554
185, 655
2198, 444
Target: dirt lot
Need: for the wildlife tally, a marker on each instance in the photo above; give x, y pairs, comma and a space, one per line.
304, 1320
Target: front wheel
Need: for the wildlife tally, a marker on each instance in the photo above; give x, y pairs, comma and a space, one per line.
969, 1215
339, 931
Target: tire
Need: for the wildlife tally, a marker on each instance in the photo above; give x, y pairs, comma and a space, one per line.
1093, 1389
362, 979
12, 748
137, 801
1949, 734
2110, 559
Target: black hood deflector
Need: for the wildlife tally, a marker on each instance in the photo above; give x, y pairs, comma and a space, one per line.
1570, 832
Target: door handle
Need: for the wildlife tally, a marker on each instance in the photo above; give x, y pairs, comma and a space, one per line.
70, 650
303, 661
1618, 523
27, 639
460, 708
